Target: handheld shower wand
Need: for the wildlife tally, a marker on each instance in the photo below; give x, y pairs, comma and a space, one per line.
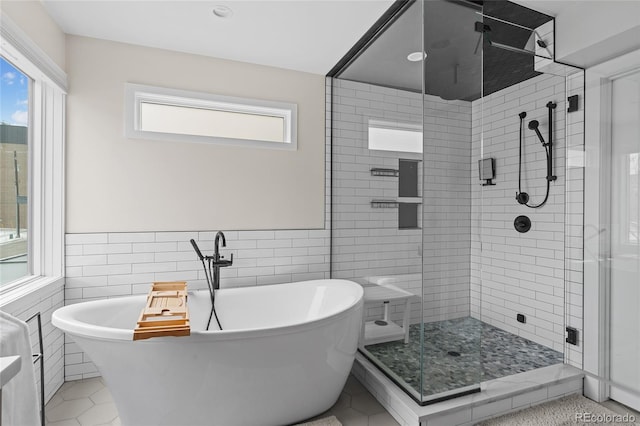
209, 277
533, 125
523, 197
197, 249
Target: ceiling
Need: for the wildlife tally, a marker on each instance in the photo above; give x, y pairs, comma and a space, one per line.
313, 35
303, 35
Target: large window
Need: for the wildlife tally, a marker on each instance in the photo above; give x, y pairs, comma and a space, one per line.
14, 172
170, 114
32, 115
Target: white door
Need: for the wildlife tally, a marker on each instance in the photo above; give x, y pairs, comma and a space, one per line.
625, 240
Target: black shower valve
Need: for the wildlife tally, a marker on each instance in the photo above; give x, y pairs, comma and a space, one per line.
522, 224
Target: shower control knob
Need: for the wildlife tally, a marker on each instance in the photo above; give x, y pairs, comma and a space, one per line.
522, 224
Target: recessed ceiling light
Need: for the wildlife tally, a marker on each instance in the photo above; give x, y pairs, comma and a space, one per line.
222, 11
416, 56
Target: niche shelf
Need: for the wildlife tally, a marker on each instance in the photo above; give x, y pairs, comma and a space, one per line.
384, 204
385, 172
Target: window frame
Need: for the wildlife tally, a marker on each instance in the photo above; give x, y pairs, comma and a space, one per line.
46, 140
375, 123
136, 94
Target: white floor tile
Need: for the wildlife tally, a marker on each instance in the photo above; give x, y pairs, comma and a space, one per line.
82, 389
68, 409
99, 414
89, 403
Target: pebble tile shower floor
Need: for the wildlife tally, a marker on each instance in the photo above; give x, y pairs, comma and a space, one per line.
458, 353
88, 402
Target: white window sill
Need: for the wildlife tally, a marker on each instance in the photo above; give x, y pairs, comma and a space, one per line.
25, 287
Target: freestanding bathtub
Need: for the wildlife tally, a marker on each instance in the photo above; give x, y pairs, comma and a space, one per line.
283, 355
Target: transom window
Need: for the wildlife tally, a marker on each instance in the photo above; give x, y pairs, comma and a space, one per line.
169, 114
395, 136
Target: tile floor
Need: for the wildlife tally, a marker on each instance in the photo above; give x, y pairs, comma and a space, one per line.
88, 403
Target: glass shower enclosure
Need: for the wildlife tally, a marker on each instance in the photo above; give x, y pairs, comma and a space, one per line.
429, 148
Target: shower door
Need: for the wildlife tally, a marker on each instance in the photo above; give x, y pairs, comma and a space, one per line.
451, 337
376, 240
625, 240
401, 194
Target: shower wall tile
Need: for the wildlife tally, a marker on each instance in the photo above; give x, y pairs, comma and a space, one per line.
366, 241
515, 273
446, 211
120, 264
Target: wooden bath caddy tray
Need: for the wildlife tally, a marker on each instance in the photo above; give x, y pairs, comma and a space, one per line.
166, 312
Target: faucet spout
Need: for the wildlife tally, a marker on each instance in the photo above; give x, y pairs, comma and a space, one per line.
216, 252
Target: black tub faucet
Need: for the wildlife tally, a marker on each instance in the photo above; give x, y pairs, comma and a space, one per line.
219, 261
212, 265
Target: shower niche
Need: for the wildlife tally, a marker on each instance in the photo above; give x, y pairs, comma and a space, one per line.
409, 199
409, 216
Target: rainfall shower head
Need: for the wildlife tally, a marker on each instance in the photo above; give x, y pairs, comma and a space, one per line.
533, 125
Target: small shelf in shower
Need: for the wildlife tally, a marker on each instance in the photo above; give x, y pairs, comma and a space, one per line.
384, 204
385, 172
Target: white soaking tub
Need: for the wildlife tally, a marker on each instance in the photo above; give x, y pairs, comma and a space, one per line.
283, 355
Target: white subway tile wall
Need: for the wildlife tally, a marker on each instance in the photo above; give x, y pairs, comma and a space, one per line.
109, 265
523, 273
446, 224
44, 300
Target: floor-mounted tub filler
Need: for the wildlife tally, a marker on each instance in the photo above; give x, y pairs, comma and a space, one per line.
283, 355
